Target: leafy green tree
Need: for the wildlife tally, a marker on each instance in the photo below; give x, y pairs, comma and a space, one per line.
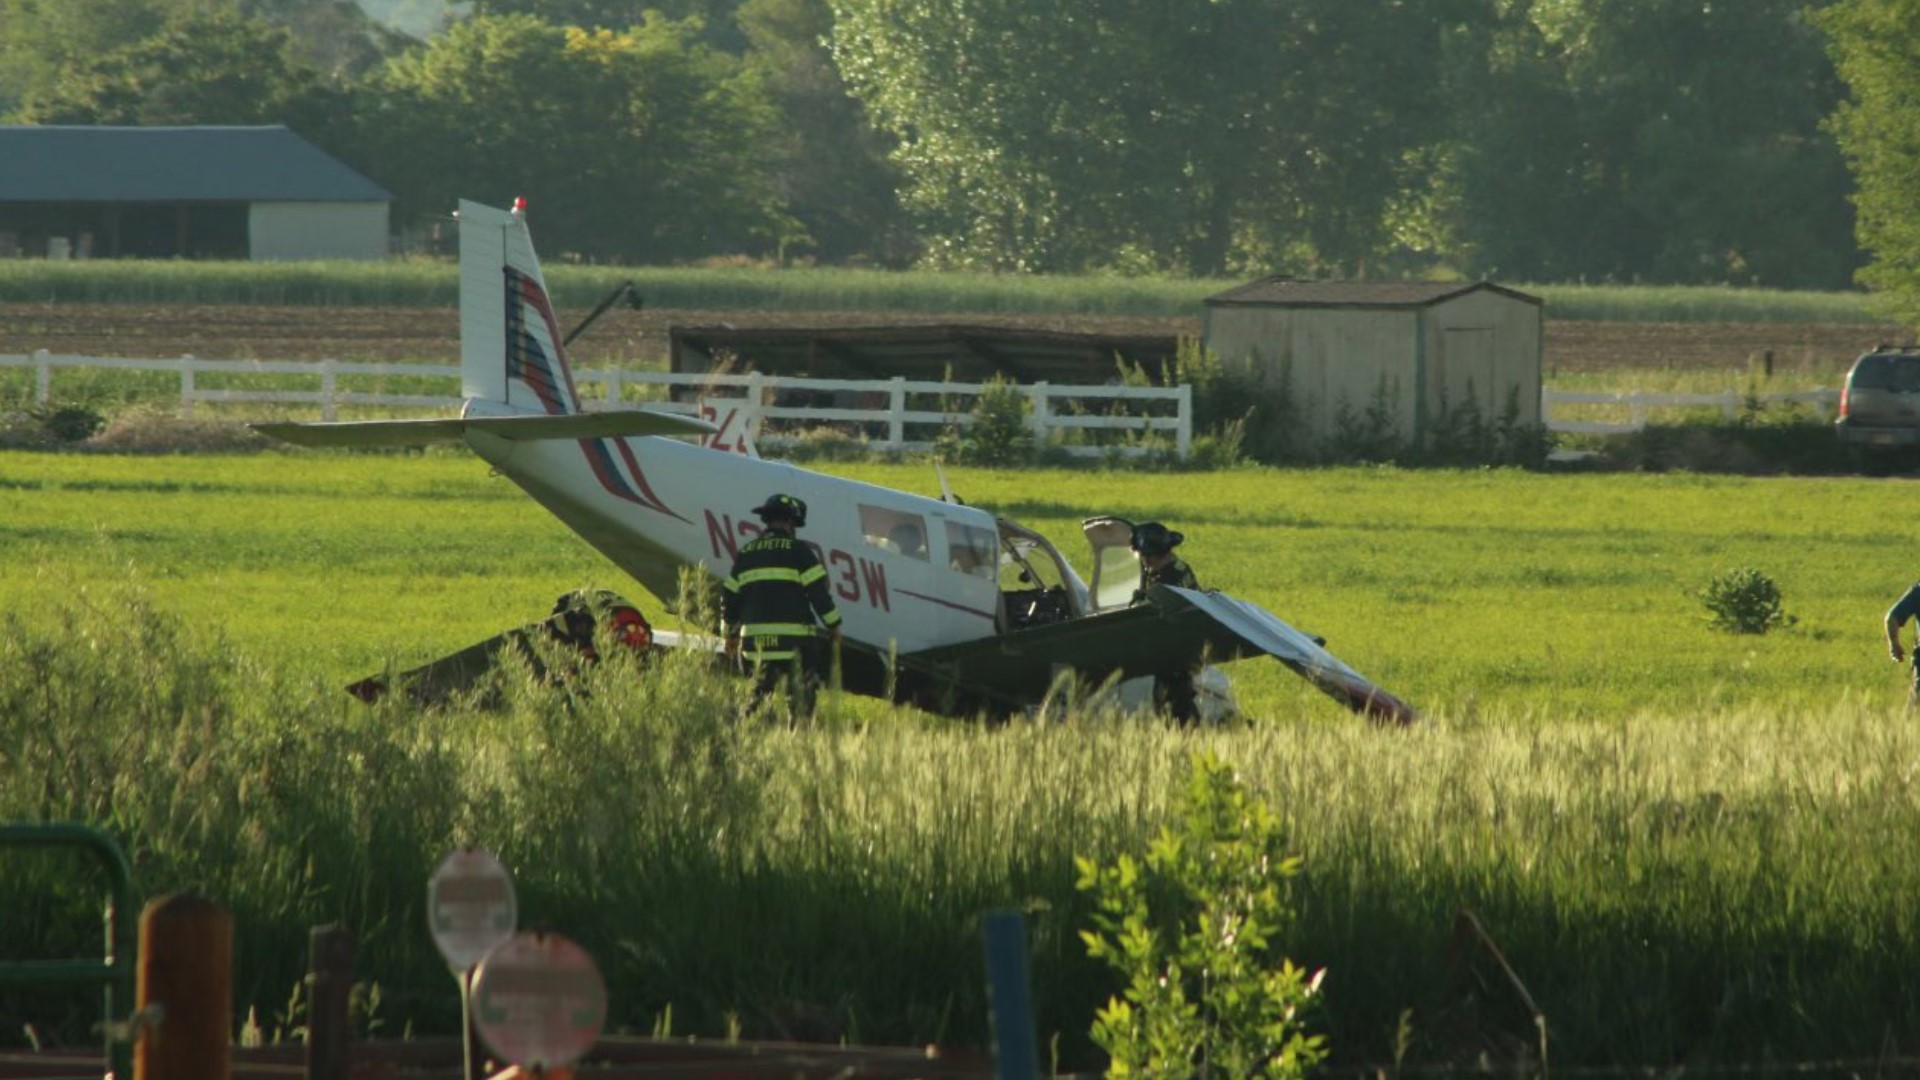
205, 65
1144, 135
39, 39
634, 145
832, 164
1876, 45
1194, 931
1643, 140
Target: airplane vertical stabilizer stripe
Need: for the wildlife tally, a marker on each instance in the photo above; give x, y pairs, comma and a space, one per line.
534, 356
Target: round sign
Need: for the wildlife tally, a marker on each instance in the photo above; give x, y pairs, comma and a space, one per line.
538, 1000
470, 906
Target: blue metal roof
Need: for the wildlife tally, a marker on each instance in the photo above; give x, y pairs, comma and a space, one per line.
58, 163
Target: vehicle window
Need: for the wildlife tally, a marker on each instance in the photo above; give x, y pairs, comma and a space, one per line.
895, 530
972, 550
1897, 373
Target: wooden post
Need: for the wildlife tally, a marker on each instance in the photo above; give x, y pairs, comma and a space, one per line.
184, 991
1042, 418
897, 414
1183, 437
329, 387
42, 377
329, 988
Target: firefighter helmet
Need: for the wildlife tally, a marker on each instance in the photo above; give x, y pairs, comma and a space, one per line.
1153, 538
783, 508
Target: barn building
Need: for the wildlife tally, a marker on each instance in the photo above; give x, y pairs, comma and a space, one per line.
183, 192
1418, 350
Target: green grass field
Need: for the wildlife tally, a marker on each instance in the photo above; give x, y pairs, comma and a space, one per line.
1692, 847
413, 283
1556, 596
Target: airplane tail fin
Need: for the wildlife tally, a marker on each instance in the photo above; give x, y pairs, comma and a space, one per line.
510, 343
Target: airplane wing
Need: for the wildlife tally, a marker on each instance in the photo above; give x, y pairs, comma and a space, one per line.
1174, 630
593, 425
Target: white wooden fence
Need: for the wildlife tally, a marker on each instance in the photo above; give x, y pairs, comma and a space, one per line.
740, 404
1637, 406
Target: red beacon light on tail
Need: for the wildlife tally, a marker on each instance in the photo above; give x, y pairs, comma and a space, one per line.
519, 205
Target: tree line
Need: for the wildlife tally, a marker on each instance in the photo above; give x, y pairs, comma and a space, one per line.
1660, 141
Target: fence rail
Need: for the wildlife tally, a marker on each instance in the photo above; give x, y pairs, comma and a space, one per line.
1729, 404
893, 413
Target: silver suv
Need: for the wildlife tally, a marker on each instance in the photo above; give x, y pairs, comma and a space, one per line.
1880, 403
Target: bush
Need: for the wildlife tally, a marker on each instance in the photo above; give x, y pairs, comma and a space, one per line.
1743, 601
999, 436
1192, 930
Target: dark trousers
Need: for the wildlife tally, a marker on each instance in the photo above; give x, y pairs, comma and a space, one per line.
795, 677
1175, 694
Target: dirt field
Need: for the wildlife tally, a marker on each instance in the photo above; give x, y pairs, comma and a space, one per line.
393, 334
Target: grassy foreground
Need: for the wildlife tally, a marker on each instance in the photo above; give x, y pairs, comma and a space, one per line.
1689, 847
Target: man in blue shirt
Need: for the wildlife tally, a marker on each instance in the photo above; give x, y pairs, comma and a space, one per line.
1903, 609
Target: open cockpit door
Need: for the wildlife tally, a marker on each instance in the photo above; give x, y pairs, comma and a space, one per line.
1036, 584
1116, 573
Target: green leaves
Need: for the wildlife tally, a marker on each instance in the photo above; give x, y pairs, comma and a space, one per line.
1743, 601
1192, 929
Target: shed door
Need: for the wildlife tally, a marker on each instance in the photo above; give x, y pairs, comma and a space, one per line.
1467, 369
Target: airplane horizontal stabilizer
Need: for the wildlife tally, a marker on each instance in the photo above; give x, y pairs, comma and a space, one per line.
1174, 630
595, 425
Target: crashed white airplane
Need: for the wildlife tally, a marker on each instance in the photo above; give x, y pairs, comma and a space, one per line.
978, 614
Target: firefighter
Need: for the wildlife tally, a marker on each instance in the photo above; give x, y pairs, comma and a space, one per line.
775, 592
1153, 545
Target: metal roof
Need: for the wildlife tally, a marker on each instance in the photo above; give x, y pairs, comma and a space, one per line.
67, 164
1292, 292
971, 353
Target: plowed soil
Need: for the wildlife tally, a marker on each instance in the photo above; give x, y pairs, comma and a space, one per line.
433, 334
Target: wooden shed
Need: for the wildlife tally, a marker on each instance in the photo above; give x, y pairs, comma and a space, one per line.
259, 192
1419, 350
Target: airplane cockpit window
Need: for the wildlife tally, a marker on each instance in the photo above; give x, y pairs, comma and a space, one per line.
895, 530
1032, 580
971, 550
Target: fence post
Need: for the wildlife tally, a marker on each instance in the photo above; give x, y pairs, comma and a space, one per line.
328, 385
897, 414
756, 396
1183, 436
329, 989
1042, 418
614, 390
42, 376
1730, 406
185, 990
1016, 1047
1636, 412
186, 387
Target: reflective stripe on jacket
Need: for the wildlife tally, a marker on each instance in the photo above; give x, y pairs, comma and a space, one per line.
776, 590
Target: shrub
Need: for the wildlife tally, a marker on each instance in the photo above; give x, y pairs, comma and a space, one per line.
998, 436
1743, 601
1192, 930
70, 423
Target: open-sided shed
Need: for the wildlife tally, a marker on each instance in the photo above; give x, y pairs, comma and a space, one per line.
1417, 352
259, 192
963, 352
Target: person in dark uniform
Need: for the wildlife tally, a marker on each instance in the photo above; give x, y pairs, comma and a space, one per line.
1153, 545
1904, 609
775, 592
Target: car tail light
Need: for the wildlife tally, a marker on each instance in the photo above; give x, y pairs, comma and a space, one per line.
1846, 389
